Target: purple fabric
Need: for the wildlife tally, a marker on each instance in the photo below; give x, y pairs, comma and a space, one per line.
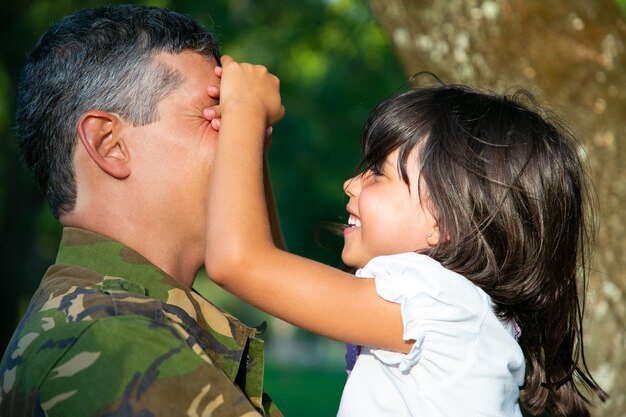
518, 330
352, 352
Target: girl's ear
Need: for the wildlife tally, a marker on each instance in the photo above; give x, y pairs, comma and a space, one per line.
434, 237
98, 132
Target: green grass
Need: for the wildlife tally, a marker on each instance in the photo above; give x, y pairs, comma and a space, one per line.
305, 392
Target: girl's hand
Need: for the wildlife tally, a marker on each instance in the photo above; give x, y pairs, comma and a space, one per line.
213, 114
250, 89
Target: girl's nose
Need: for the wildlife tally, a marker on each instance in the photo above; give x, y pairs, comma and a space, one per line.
352, 186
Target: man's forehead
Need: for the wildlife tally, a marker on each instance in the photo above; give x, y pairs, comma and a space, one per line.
188, 63
195, 72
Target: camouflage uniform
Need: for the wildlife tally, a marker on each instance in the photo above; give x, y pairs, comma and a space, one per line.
108, 333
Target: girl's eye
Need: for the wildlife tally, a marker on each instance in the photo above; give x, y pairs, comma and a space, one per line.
376, 171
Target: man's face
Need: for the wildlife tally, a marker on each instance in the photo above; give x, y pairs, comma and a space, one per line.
172, 157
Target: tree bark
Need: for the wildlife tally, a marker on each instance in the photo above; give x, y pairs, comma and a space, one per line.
571, 55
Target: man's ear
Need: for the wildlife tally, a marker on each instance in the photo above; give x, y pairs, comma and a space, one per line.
99, 134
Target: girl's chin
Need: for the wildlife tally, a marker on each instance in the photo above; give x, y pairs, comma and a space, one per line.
346, 260
351, 262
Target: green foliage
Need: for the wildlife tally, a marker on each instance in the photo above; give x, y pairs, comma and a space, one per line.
305, 392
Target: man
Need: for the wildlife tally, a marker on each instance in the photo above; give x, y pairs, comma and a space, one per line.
110, 121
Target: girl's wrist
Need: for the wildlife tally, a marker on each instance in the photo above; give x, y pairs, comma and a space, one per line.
246, 110
248, 125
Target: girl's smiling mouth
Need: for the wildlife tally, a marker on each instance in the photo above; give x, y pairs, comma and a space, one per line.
353, 223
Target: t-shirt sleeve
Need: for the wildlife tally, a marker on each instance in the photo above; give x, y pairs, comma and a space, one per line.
441, 310
133, 366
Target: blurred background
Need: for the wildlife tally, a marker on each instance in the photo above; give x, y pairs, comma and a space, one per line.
335, 63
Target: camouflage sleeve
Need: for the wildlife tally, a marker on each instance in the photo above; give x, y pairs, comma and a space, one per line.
132, 366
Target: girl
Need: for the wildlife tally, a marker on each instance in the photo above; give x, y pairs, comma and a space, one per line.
469, 228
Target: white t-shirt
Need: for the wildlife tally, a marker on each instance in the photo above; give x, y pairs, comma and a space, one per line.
465, 361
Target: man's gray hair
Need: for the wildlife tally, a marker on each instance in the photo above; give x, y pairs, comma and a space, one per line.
102, 58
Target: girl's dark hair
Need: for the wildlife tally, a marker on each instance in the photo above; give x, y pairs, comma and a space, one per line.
513, 205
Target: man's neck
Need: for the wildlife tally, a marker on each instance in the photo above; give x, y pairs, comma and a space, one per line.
177, 257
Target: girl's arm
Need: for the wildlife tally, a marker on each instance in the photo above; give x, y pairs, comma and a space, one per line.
212, 114
270, 204
241, 255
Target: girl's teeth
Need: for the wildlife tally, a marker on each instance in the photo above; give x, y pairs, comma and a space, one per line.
354, 221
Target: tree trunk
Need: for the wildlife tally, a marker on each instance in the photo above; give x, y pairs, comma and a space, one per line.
571, 55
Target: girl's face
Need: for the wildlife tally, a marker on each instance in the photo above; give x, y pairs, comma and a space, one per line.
386, 215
